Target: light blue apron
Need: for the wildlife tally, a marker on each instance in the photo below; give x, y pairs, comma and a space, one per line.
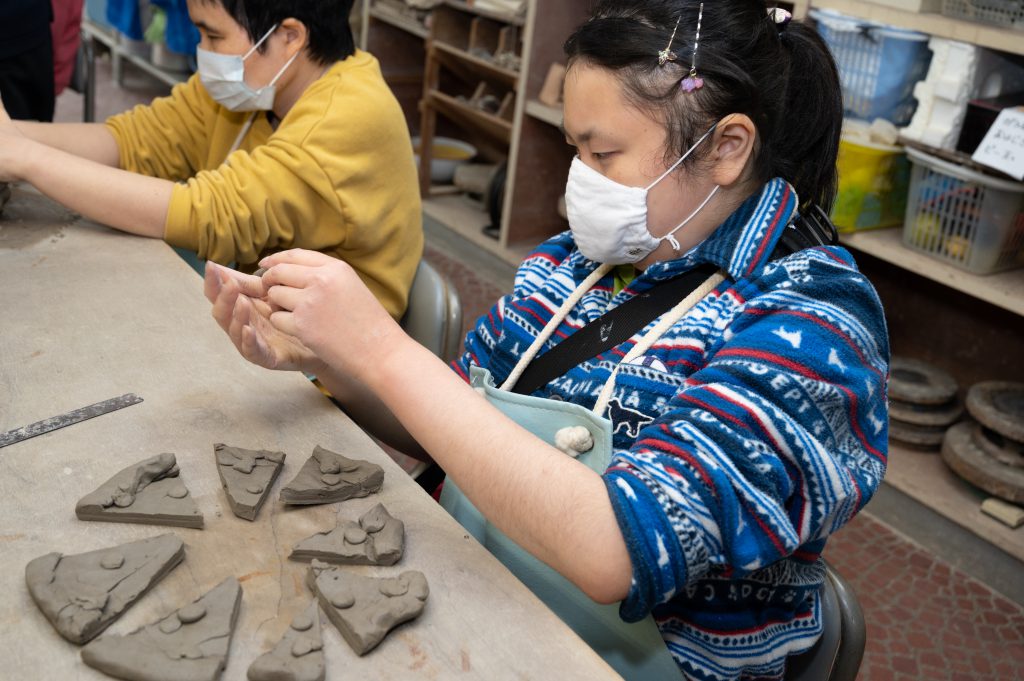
636, 651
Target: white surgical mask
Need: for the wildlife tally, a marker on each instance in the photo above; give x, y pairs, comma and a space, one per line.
609, 220
223, 76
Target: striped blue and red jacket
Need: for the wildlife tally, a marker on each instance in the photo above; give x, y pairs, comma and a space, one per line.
752, 430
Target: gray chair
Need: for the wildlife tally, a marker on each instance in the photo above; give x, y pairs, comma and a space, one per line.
838, 653
434, 315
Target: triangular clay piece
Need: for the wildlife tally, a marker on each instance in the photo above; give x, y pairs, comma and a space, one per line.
328, 477
247, 476
365, 609
188, 645
299, 656
377, 539
84, 593
149, 492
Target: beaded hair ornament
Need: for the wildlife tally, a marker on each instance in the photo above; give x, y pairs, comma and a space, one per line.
692, 81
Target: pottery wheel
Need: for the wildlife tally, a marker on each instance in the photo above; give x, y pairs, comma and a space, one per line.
925, 415
971, 463
911, 380
999, 405
919, 436
998, 447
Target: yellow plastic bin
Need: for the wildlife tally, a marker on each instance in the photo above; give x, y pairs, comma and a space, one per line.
873, 183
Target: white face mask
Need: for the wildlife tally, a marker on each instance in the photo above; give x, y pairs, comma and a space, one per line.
223, 76
609, 220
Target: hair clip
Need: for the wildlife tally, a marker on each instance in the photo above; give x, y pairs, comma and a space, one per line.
693, 81
667, 54
780, 16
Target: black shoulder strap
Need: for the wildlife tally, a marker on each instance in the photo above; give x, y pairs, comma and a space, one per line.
618, 325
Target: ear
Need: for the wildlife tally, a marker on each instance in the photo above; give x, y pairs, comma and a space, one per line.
732, 146
296, 37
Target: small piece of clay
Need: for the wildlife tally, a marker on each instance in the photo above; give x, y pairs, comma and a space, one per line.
150, 492
174, 649
368, 611
247, 476
327, 477
377, 539
298, 656
84, 593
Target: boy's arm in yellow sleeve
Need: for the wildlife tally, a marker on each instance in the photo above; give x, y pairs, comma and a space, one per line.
168, 138
254, 202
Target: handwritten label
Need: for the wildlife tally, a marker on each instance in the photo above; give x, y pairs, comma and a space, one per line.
1003, 146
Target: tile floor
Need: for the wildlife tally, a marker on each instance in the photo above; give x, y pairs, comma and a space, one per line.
925, 618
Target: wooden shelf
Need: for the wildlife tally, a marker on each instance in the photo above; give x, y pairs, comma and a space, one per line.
923, 476
497, 16
382, 13
485, 67
543, 112
985, 35
467, 218
1005, 289
463, 113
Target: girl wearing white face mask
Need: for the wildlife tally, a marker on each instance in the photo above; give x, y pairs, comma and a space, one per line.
287, 137
682, 464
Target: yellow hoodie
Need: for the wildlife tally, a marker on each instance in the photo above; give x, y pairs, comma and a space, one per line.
337, 176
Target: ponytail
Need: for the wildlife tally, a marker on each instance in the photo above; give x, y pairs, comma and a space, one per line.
781, 75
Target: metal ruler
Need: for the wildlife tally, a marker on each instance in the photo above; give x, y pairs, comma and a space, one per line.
70, 418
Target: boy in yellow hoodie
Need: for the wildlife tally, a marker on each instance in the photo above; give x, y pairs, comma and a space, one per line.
286, 137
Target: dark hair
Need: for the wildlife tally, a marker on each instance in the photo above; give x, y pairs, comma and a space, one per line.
780, 75
326, 21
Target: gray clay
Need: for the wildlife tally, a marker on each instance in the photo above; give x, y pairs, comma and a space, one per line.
365, 609
298, 656
84, 593
5, 195
327, 477
247, 476
149, 492
377, 539
188, 645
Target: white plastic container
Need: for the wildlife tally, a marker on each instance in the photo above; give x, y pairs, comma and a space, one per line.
962, 217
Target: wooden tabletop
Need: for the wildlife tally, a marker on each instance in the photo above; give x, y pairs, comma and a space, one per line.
89, 314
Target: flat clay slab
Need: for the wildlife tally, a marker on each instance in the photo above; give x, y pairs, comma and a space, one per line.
918, 436
150, 492
999, 406
190, 644
378, 538
83, 594
365, 609
971, 463
917, 382
247, 476
926, 415
327, 477
299, 656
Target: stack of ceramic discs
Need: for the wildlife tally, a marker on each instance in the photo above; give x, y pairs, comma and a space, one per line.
922, 403
990, 453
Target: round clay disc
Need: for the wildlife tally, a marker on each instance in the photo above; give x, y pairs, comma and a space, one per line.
971, 463
911, 380
925, 415
998, 447
999, 405
915, 435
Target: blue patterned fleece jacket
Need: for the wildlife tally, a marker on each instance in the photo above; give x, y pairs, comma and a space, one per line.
752, 430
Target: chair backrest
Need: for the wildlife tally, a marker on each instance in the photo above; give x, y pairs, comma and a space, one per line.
434, 315
838, 653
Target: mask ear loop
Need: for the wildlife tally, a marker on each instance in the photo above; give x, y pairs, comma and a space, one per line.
670, 236
682, 158
259, 42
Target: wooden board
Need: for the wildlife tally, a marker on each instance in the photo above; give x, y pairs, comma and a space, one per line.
90, 314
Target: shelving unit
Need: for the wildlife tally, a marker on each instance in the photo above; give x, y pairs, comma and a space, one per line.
1005, 290
993, 37
524, 133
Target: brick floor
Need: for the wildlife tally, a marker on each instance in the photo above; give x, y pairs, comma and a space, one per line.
925, 619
